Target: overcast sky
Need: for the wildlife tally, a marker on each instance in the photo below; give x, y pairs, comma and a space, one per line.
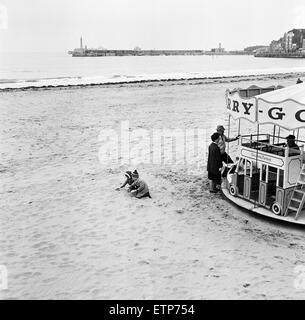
56, 25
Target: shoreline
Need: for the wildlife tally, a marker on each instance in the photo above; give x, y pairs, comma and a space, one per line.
195, 80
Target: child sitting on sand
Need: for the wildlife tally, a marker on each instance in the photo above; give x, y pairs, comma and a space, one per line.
129, 180
139, 188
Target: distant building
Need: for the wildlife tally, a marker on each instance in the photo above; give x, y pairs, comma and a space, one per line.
302, 50
81, 50
298, 37
218, 50
253, 49
291, 41
276, 46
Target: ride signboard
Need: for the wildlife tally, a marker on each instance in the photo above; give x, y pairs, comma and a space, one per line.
288, 114
284, 107
263, 157
239, 107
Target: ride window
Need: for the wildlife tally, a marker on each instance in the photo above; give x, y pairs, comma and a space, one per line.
255, 168
281, 178
264, 173
272, 174
241, 165
248, 168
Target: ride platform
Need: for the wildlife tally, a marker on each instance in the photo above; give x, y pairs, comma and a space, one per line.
257, 209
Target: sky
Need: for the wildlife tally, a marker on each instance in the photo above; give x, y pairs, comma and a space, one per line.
56, 25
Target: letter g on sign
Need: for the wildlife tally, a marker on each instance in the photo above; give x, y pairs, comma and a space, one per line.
277, 115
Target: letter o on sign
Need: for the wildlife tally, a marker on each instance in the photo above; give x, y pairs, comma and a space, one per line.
298, 116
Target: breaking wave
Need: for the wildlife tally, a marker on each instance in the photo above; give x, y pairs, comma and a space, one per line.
15, 84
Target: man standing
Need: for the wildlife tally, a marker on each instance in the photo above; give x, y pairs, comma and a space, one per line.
222, 144
214, 164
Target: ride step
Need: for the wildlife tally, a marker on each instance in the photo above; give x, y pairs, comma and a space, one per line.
297, 199
295, 205
299, 191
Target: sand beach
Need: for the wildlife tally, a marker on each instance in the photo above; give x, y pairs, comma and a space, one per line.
65, 233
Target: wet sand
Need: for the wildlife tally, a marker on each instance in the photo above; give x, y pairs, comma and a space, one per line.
67, 234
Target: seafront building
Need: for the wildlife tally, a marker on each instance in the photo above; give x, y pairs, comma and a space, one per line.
291, 45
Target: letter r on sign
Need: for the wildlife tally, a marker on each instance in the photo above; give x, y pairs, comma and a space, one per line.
235, 106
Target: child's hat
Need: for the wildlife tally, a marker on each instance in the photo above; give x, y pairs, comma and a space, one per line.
135, 173
128, 174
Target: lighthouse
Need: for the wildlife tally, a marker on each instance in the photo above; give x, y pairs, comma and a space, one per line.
81, 42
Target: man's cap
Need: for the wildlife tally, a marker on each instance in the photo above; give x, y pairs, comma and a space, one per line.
220, 127
291, 137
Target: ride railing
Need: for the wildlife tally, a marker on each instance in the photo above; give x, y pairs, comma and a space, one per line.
271, 144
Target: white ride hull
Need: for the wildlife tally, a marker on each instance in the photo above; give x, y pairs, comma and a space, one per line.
259, 209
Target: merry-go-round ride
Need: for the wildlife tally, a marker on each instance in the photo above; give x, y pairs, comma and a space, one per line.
268, 177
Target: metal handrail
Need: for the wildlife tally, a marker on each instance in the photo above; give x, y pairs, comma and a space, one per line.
266, 134
257, 143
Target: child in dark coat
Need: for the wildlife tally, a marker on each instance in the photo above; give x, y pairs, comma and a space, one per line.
214, 164
139, 188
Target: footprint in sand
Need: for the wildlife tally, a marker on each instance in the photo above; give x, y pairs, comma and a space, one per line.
120, 218
163, 257
49, 280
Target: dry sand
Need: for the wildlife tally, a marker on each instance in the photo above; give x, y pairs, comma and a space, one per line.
67, 234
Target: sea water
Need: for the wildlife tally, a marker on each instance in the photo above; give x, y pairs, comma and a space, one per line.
19, 70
